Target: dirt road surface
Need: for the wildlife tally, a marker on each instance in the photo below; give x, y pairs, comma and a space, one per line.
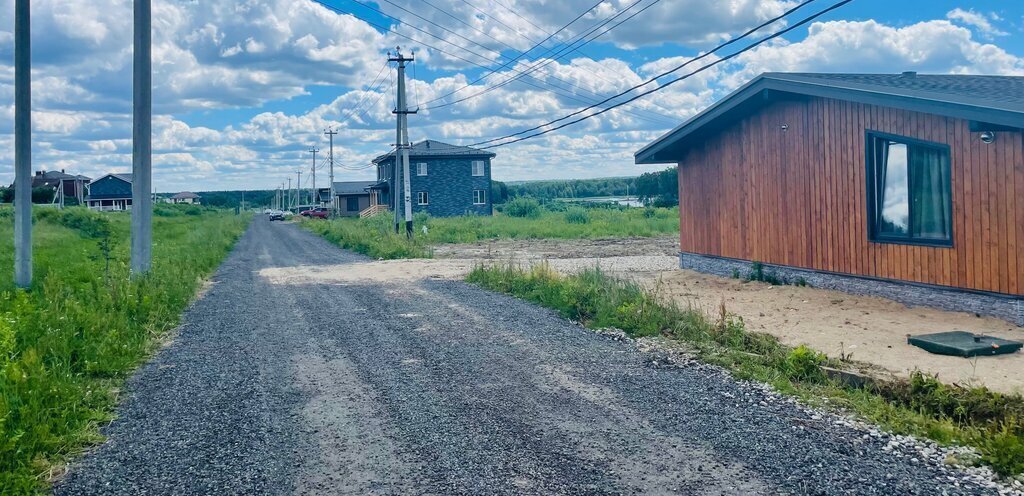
278, 385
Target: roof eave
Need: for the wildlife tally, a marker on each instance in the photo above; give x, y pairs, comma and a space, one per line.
1001, 117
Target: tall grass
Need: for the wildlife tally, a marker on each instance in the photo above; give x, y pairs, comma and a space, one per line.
67, 343
991, 422
375, 236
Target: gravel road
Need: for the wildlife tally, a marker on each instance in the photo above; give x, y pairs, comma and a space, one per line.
439, 387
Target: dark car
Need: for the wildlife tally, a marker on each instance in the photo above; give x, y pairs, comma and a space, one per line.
320, 213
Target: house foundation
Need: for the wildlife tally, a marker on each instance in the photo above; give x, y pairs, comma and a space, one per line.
1006, 307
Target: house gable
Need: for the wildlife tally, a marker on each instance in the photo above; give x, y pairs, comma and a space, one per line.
109, 187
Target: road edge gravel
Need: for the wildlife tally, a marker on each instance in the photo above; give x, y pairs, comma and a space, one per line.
667, 353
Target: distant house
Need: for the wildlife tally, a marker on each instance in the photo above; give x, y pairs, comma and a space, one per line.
444, 180
72, 186
353, 197
900, 185
185, 197
110, 192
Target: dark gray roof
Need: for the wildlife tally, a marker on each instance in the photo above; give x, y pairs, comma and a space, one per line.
352, 187
124, 177
185, 195
432, 148
996, 100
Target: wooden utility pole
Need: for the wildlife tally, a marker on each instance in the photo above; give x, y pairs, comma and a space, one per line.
22, 146
330, 169
142, 149
402, 142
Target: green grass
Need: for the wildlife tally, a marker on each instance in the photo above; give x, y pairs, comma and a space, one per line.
375, 236
991, 422
69, 342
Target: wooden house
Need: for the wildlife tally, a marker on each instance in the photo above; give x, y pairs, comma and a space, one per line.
901, 185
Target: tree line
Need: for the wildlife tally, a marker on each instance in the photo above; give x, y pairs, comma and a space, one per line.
657, 187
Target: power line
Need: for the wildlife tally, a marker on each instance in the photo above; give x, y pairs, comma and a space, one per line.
540, 63
663, 74
545, 62
676, 80
578, 49
384, 28
552, 35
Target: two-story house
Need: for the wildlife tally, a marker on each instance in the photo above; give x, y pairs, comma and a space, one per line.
445, 180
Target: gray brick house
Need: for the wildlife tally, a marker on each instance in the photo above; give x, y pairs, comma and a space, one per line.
445, 180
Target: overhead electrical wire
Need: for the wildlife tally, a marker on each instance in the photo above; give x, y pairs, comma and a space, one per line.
458, 57
676, 68
545, 61
578, 50
669, 83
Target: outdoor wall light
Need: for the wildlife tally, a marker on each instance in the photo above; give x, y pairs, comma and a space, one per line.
988, 137
785, 127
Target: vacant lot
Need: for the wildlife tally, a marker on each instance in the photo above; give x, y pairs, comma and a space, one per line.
68, 343
375, 236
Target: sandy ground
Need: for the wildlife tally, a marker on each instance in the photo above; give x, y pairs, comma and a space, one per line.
872, 330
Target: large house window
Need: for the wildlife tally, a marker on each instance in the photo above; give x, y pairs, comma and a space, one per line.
478, 167
479, 197
352, 203
909, 191
421, 198
421, 169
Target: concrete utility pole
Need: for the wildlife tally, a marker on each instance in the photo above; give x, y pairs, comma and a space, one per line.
330, 170
290, 202
22, 146
402, 143
316, 194
142, 149
298, 190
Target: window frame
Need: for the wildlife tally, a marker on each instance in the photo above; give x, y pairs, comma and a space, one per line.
348, 203
418, 169
422, 198
871, 169
483, 196
483, 168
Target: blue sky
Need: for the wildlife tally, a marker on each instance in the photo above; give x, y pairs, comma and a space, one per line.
242, 88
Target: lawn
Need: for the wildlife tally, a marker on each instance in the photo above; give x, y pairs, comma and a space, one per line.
991, 422
375, 236
68, 343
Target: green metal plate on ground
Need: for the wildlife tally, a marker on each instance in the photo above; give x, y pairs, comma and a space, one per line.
965, 344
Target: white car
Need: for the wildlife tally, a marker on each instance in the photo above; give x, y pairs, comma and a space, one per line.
268, 211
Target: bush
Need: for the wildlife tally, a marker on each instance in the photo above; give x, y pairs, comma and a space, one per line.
523, 207
577, 215
803, 364
88, 223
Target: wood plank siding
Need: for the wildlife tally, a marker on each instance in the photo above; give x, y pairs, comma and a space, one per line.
753, 191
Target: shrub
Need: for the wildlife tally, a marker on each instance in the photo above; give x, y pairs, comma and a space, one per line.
803, 364
523, 207
577, 215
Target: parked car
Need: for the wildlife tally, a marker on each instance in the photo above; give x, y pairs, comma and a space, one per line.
319, 212
268, 211
276, 215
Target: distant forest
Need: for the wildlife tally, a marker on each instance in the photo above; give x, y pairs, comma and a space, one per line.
659, 187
